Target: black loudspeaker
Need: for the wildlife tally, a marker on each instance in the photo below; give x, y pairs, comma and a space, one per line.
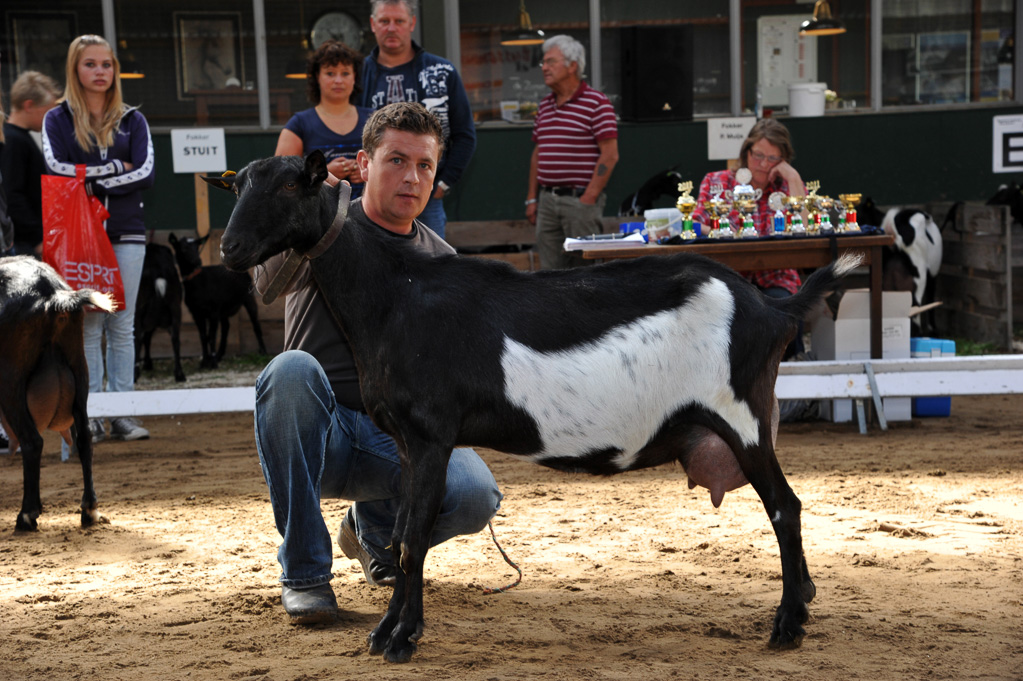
657, 73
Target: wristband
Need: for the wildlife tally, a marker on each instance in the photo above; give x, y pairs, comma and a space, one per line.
530, 201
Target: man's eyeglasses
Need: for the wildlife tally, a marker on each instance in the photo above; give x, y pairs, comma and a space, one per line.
760, 158
550, 62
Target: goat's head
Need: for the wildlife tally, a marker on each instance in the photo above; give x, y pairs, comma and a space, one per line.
282, 203
187, 251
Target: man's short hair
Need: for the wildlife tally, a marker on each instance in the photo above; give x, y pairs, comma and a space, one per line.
34, 86
411, 5
571, 49
402, 116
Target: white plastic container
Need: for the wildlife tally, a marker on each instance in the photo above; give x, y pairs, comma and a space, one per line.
662, 222
806, 99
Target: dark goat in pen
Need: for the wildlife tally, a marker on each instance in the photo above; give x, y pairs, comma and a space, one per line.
213, 295
602, 369
44, 380
158, 307
663, 183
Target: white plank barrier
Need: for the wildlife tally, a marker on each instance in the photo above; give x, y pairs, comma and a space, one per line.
939, 376
984, 375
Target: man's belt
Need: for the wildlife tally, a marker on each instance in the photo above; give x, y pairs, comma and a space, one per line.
563, 190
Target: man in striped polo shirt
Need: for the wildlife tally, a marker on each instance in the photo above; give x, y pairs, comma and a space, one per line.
576, 139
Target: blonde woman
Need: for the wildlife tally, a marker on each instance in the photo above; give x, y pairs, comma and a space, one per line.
92, 126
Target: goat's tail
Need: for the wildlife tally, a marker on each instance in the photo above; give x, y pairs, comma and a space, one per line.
818, 285
70, 301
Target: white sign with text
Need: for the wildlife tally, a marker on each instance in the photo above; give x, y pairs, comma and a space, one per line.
199, 150
1007, 153
726, 135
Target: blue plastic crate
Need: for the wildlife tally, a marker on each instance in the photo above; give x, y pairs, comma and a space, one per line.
932, 347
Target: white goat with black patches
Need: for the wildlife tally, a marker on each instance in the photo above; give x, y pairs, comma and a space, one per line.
604, 369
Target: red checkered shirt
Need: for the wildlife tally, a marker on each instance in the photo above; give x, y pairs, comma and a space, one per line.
763, 219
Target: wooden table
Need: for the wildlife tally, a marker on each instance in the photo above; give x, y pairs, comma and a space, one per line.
776, 254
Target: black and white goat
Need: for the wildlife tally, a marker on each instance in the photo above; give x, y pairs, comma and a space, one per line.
912, 263
213, 295
44, 380
606, 369
158, 307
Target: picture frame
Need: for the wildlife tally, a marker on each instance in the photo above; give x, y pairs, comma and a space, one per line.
208, 51
39, 41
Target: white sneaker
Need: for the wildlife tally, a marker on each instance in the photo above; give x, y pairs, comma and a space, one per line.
126, 428
98, 431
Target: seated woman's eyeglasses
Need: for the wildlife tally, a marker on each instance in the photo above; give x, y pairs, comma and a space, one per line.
759, 158
549, 62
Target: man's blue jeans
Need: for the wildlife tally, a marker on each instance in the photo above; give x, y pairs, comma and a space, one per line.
311, 448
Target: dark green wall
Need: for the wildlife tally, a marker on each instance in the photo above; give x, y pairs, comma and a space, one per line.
896, 158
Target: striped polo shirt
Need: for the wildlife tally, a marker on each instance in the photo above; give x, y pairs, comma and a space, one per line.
567, 136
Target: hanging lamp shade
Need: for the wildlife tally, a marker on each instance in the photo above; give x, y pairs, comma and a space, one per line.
526, 35
131, 69
296, 69
822, 23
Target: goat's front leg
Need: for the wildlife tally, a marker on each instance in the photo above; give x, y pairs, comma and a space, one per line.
423, 473
783, 508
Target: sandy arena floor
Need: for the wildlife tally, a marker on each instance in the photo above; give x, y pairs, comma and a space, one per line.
913, 537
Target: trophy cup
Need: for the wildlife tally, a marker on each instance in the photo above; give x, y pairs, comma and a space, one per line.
745, 198
813, 213
776, 202
847, 223
824, 205
686, 204
794, 206
718, 209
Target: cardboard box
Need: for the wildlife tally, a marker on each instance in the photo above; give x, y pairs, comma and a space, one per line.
848, 337
932, 347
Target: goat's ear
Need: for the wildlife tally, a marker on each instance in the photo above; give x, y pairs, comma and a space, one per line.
315, 168
200, 242
225, 181
171, 239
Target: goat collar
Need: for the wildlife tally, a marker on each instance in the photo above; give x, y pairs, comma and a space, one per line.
295, 259
193, 274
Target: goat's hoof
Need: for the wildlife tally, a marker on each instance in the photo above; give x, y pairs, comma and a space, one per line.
788, 631
92, 517
25, 523
377, 642
400, 654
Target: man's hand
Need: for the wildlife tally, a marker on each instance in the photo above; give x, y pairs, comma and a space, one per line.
531, 213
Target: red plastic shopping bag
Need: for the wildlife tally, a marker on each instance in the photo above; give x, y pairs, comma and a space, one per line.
74, 241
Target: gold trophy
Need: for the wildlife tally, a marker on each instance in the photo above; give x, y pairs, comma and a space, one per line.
794, 206
744, 198
847, 221
824, 205
686, 204
718, 209
813, 213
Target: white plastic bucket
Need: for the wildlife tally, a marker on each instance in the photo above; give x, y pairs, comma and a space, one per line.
806, 99
662, 222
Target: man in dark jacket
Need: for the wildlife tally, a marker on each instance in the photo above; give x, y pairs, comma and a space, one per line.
399, 70
21, 161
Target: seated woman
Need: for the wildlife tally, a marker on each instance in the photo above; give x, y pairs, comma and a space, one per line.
334, 125
767, 152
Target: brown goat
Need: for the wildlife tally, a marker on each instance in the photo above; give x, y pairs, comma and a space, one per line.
44, 379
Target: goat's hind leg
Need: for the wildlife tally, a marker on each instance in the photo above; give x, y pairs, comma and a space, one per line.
19, 424
423, 486
82, 436
783, 508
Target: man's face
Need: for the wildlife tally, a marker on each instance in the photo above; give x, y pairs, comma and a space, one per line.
555, 68
399, 178
393, 25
